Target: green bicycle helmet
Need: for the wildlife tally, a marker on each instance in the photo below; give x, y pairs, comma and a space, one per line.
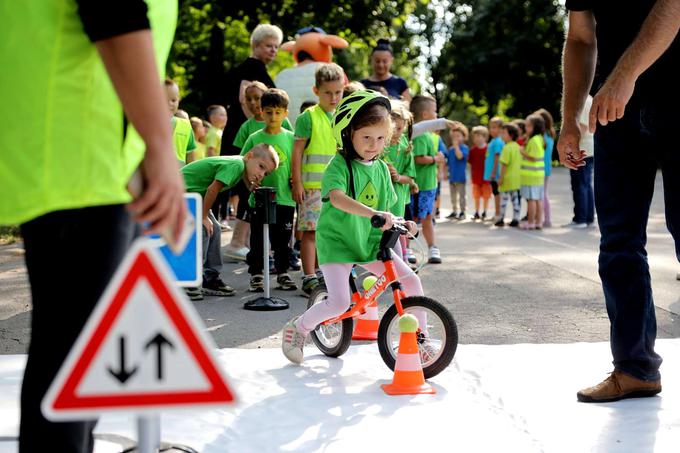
348, 108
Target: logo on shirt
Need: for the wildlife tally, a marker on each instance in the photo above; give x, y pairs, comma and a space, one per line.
369, 196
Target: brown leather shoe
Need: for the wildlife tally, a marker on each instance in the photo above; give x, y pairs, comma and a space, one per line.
619, 386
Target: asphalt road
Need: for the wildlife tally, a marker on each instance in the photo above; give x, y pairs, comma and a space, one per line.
503, 285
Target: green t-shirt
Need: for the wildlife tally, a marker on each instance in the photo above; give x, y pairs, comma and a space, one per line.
250, 127
199, 174
213, 139
402, 160
426, 175
348, 238
510, 156
303, 124
279, 178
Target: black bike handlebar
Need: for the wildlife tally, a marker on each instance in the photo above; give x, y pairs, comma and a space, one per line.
378, 221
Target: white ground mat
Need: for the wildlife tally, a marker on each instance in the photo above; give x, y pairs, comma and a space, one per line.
514, 398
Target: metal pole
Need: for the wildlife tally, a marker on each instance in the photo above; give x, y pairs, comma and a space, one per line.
265, 230
148, 433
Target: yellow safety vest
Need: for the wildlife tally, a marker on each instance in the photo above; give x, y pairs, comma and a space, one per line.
320, 149
180, 138
62, 141
532, 173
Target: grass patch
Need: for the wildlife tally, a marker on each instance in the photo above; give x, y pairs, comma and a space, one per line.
9, 235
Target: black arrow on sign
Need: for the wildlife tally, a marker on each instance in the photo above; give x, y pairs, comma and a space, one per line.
123, 374
159, 340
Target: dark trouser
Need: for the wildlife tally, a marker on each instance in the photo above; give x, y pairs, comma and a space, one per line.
279, 236
220, 207
212, 255
71, 256
628, 153
243, 193
582, 190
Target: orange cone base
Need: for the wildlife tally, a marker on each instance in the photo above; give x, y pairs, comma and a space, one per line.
424, 389
366, 330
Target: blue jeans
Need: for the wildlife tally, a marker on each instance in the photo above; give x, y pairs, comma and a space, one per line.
628, 153
582, 190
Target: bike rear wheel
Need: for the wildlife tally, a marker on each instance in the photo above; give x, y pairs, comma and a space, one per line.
331, 339
437, 342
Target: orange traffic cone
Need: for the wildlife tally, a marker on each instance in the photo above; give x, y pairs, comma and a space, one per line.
408, 371
366, 327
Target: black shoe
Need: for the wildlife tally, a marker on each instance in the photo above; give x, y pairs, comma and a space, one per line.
194, 293
453, 215
217, 287
286, 283
294, 262
461, 216
514, 223
256, 284
483, 216
476, 216
500, 223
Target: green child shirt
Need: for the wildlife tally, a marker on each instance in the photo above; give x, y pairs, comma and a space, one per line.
398, 156
426, 175
199, 174
250, 127
510, 156
279, 178
347, 238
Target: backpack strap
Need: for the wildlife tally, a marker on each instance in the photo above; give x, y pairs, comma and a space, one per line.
351, 193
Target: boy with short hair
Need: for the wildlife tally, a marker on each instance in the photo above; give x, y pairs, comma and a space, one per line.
209, 177
509, 182
274, 110
314, 148
217, 117
426, 157
182, 134
457, 157
491, 166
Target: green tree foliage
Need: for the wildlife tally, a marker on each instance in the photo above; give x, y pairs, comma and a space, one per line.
213, 36
500, 57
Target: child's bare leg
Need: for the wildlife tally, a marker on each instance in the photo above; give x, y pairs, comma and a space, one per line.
539, 212
531, 212
428, 230
308, 252
476, 204
486, 204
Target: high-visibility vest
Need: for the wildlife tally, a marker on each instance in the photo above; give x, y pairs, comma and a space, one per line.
180, 138
62, 141
533, 172
320, 149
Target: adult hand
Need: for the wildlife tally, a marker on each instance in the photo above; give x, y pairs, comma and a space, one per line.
609, 104
161, 202
298, 192
568, 146
208, 225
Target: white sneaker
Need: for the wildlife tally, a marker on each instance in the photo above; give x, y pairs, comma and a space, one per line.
236, 254
433, 256
292, 342
577, 225
428, 350
410, 257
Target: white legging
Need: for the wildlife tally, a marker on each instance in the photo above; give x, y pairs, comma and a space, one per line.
336, 276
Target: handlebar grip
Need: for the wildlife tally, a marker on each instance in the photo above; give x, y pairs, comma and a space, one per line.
377, 221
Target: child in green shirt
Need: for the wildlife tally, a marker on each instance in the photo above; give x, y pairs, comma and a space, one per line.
182, 133
217, 117
314, 148
274, 110
533, 171
253, 94
509, 182
344, 235
209, 177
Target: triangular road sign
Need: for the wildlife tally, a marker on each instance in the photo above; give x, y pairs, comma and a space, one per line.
143, 349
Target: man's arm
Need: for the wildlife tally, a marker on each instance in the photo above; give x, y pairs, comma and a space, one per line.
130, 61
578, 68
657, 33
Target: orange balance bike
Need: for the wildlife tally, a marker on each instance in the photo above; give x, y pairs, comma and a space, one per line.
437, 339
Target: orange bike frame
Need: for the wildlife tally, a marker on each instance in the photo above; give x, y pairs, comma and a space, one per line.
361, 301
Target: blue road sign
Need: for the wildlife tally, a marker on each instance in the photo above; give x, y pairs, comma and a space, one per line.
186, 265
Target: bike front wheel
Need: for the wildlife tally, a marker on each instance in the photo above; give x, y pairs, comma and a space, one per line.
331, 339
437, 340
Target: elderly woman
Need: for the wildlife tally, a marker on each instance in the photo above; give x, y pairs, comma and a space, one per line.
382, 79
264, 43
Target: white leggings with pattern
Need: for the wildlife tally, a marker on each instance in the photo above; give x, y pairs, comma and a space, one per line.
336, 276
